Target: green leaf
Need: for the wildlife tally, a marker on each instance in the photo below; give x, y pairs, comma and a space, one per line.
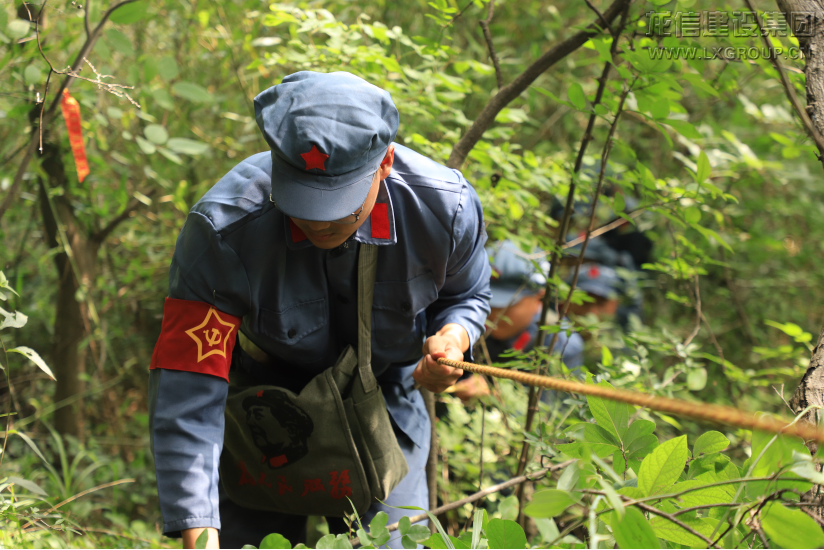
378, 522
791, 528
404, 524
191, 91
699, 82
508, 508
12, 320
606, 355
667, 530
437, 541
663, 466
710, 442
692, 214
130, 13
684, 128
782, 453
408, 543
547, 528
145, 145
569, 478
163, 98
709, 495
549, 503
332, 541
504, 533
187, 146
642, 446
477, 528
170, 155
364, 538
34, 358
600, 441
610, 415
167, 68
660, 109
202, 539
156, 133
27, 485
697, 379
18, 28
275, 541
418, 532
119, 42
32, 75
704, 168
633, 531
638, 429
576, 96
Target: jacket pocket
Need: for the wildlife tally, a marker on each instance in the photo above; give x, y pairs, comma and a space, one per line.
293, 324
397, 304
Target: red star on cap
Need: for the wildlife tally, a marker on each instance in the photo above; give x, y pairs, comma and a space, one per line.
314, 158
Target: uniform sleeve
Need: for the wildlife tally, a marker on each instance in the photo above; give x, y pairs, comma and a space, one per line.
464, 297
186, 408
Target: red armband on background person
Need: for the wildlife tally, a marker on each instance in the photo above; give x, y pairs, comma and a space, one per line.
195, 337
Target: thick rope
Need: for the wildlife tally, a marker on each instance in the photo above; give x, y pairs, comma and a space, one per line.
706, 412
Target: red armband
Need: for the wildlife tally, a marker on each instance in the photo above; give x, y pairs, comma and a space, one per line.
195, 337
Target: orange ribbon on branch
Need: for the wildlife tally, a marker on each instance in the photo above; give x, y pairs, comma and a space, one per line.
71, 112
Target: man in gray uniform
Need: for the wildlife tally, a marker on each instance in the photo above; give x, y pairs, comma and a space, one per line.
269, 257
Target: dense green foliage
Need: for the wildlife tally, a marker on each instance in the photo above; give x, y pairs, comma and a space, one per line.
714, 156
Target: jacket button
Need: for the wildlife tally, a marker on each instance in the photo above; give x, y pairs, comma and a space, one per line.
291, 333
342, 299
406, 306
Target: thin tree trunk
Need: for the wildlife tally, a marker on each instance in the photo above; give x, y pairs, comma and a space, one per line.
71, 324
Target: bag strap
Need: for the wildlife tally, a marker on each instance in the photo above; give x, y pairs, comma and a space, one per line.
367, 268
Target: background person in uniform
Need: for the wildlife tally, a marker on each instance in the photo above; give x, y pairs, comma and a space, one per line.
516, 303
604, 287
271, 251
630, 298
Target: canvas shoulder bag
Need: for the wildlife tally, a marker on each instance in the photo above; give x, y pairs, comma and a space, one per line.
306, 453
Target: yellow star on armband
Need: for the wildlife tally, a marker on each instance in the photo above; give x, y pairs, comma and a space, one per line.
211, 335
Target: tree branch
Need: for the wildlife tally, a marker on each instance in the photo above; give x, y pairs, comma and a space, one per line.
599, 14
101, 235
488, 491
484, 23
678, 522
509, 92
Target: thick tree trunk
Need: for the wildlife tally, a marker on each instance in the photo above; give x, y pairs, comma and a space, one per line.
810, 391
71, 324
805, 18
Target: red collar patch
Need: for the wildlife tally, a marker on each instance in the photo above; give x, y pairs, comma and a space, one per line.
297, 234
380, 221
314, 159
